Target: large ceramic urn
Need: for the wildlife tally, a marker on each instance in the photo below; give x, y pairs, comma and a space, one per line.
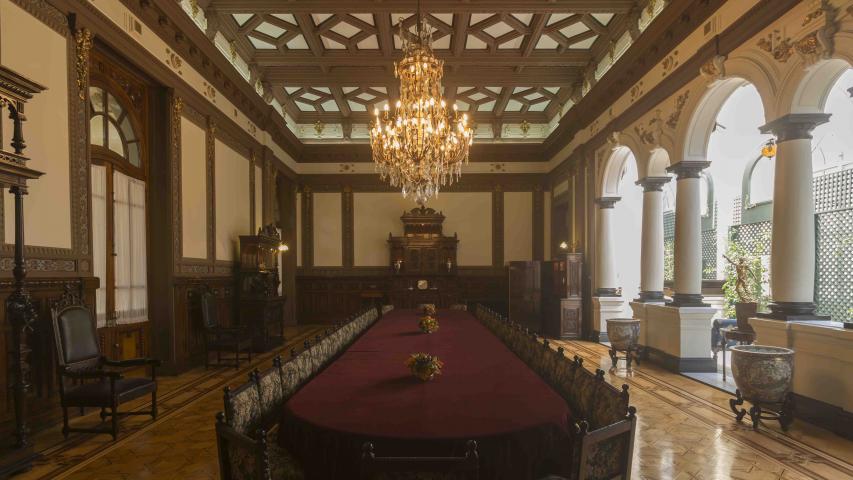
763, 373
623, 333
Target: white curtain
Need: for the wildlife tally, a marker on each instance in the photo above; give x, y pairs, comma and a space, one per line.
99, 239
131, 291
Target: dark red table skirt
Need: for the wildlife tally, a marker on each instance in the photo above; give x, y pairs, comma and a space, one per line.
485, 393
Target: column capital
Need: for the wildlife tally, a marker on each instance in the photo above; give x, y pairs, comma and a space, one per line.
795, 126
688, 168
653, 184
606, 202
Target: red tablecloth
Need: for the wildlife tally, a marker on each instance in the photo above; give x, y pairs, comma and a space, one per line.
485, 393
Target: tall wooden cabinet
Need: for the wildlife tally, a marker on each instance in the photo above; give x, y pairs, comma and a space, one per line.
261, 307
546, 297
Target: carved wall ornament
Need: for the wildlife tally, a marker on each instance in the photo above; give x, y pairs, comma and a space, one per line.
497, 168
670, 62
83, 39
174, 61
652, 134
715, 68
820, 44
637, 91
777, 45
680, 102
613, 139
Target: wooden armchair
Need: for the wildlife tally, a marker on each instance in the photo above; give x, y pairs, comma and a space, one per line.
445, 468
88, 379
220, 339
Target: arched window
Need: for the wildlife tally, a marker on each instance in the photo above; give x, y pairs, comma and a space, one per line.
760, 182
118, 205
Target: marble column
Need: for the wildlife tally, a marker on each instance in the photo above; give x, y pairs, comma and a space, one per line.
651, 246
792, 254
605, 263
688, 234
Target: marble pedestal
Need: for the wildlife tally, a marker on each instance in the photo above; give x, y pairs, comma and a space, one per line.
679, 338
604, 308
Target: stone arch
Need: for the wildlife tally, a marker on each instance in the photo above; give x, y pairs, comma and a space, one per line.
612, 170
692, 137
806, 89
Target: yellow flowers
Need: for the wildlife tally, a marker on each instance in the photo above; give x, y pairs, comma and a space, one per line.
424, 366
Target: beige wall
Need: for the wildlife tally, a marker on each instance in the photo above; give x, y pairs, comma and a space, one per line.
375, 215
328, 243
518, 226
232, 200
193, 190
34, 50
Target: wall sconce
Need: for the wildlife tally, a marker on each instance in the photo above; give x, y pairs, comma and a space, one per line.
398, 264
283, 247
564, 245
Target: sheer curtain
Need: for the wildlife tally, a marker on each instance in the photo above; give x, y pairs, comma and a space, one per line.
131, 287
99, 239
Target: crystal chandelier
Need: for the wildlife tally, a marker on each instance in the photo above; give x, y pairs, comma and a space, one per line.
421, 145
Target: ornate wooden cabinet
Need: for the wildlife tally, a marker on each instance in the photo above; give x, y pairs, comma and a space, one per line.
563, 296
423, 249
260, 305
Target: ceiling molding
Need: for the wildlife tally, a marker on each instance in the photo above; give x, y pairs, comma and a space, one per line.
448, 6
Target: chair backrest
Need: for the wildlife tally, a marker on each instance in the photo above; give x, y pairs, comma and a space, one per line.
243, 408
208, 309
270, 392
74, 330
465, 467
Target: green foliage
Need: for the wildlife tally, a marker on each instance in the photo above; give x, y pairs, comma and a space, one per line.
744, 284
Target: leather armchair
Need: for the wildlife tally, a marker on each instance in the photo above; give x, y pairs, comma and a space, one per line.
87, 378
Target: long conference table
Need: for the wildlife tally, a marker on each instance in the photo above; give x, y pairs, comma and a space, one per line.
485, 393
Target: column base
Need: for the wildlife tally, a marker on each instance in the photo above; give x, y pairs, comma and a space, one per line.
687, 300
650, 297
599, 337
606, 292
604, 308
793, 311
679, 339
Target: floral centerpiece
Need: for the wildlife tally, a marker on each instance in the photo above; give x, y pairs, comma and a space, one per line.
428, 324
424, 366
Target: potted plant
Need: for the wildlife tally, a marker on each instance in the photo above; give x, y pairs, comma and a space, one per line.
743, 289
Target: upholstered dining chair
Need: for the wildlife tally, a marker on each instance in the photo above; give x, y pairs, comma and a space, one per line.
217, 338
466, 467
88, 379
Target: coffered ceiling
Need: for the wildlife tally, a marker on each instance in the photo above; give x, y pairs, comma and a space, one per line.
508, 63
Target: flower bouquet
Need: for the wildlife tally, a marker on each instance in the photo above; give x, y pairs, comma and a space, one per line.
424, 366
428, 324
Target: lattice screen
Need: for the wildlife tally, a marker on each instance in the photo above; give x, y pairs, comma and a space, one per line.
754, 237
709, 254
834, 225
669, 246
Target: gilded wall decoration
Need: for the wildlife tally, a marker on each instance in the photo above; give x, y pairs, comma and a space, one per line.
208, 91
820, 44
637, 91
670, 62
177, 104
777, 45
210, 161
651, 134
715, 68
680, 102
83, 40
173, 60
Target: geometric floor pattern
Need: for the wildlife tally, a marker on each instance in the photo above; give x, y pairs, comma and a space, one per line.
685, 431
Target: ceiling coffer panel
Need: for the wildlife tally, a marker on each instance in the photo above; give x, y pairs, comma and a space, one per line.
334, 63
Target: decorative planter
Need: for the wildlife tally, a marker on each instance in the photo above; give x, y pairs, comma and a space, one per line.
428, 324
624, 335
763, 375
744, 311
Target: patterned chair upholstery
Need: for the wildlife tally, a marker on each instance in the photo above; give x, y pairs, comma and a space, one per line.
604, 423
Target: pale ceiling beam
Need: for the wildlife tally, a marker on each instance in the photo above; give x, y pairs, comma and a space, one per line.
338, 93
500, 58
346, 76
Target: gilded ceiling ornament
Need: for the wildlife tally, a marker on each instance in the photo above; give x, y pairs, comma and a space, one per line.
525, 127
83, 39
232, 46
318, 128
422, 145
194, 7
652, 134
820, 44
715, 68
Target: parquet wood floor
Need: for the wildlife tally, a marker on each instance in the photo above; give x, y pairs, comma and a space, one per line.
685, 431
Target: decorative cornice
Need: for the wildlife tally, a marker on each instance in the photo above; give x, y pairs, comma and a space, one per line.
794, 126
688, 169
653, 184
606, 202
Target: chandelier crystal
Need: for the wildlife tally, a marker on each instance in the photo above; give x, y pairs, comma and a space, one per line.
421, 145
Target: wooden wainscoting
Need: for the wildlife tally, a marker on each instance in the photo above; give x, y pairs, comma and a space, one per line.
330, 294
43, 409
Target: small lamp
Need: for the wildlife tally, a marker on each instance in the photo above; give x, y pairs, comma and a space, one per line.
564, 245
282, 247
